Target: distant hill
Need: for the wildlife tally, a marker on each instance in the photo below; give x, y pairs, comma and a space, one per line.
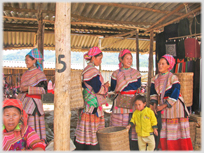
76, 57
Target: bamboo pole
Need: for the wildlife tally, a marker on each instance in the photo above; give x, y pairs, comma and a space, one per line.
137, 50
150, 72
62, 113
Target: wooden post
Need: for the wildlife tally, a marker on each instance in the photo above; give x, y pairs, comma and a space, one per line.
84, 62
137, 50
40, 36
62, 113
99, 46
150, 72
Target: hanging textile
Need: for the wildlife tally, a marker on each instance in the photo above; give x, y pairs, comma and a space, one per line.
192, 48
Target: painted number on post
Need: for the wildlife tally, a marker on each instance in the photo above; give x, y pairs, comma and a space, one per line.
61, 62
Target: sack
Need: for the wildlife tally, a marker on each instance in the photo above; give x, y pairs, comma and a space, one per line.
90, 98
125, 101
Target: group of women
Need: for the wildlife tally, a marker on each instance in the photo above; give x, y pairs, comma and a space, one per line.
165, 100
23, 118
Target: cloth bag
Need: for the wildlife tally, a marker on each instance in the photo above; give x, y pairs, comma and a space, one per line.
125, 101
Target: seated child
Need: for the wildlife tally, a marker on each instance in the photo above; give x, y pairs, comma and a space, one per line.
17, 135
145, 124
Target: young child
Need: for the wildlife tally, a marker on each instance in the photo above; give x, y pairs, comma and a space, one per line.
145, 124
17, 135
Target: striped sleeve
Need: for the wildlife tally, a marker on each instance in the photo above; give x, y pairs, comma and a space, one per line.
33, 140
36, 90
175, 90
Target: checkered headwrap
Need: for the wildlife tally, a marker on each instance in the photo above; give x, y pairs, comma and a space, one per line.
170, 59
35, 53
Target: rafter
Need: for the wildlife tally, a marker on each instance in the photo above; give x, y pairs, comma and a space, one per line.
83, 18
166, 16
177, 19
138, 8
26, 10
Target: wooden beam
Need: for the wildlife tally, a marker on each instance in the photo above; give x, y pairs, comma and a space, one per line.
62, 113
177, 19
105, 4
166, 16
150, 72
120, 35
196, 34
137, 50
40, 33
27, 10
138, 8
83, 18
28, 19
112, 25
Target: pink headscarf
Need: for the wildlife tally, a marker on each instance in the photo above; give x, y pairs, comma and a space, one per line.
121, 54
92, 52
170, 59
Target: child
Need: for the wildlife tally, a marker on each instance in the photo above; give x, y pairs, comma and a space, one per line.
145, 124
17, 135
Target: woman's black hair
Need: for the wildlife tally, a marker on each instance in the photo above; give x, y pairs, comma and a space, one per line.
12, 107
97, 55
124, 55
30, 57
165, 59
140, 97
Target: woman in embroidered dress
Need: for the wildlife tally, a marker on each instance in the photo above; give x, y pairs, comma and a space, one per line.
91, 118
175, 132
125, 81
17, 135
33, 85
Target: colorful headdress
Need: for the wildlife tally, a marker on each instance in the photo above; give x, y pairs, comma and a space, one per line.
170, 59
18, 104
92, 52
35, 53
121, 54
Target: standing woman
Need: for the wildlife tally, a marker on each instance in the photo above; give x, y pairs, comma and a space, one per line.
33, 85
166, 99
91, 118
126, 82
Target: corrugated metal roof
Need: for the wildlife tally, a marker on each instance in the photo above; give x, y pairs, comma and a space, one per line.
90, 21
22, 40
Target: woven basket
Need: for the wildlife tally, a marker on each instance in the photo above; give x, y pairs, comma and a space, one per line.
76, 97
192, 131
114, 138
186, 82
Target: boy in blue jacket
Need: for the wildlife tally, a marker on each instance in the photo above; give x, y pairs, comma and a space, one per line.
145, 124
